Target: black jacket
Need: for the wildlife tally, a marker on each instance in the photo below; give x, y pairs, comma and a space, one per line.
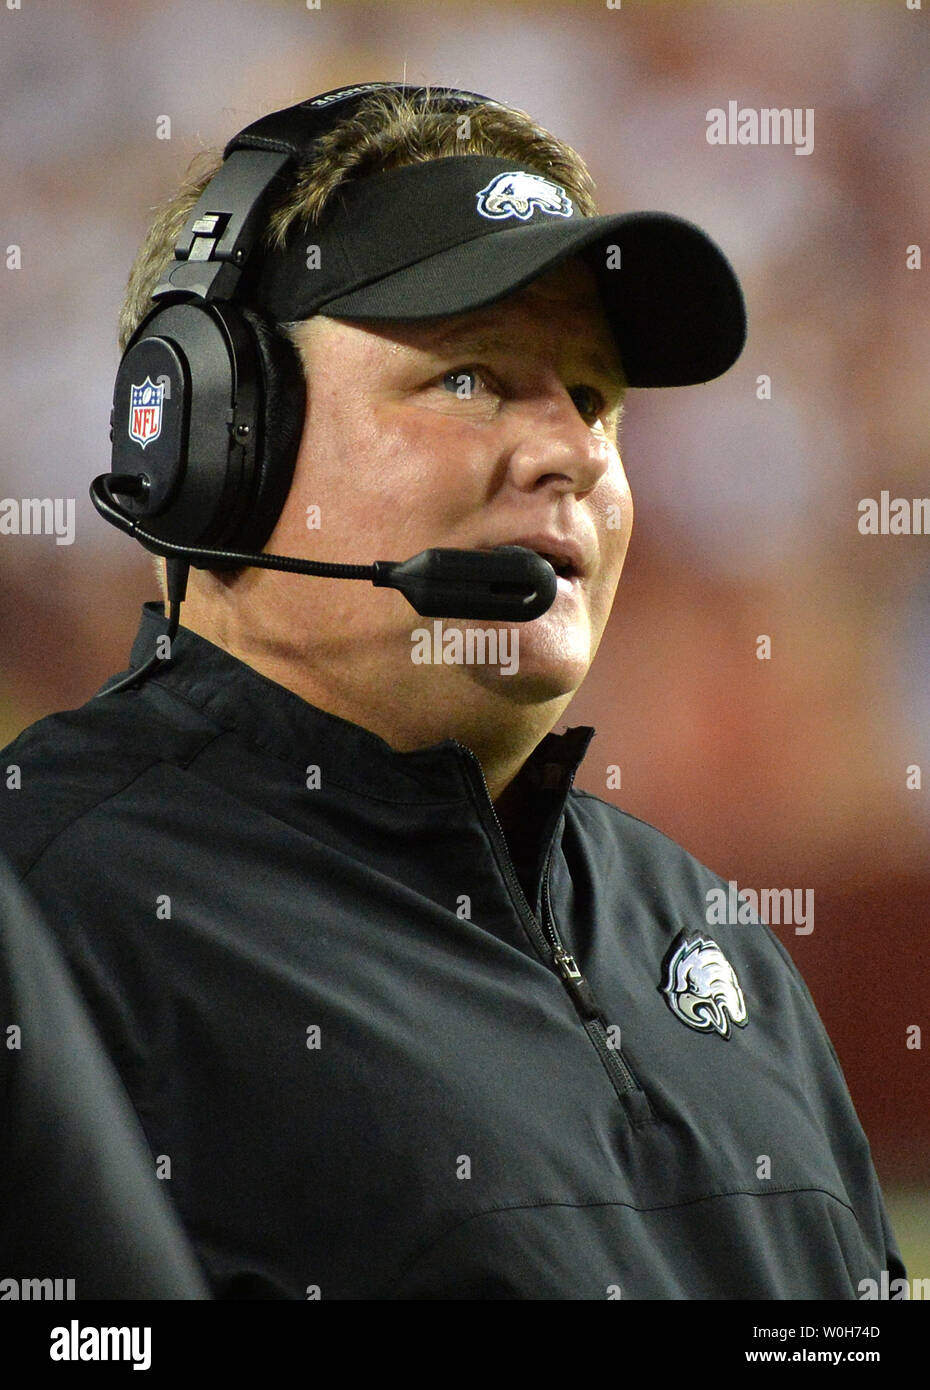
81, 1210
327, 981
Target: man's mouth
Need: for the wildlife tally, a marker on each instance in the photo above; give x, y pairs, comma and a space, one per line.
564, 568
566, 554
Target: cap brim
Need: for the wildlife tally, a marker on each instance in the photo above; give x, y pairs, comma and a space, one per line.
670, 295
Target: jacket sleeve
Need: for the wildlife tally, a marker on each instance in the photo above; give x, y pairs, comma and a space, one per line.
80, 1198
853, 1154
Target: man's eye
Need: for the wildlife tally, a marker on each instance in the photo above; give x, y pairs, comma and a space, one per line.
464, 382
587, 401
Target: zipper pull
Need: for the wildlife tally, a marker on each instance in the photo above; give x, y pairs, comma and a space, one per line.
577, 986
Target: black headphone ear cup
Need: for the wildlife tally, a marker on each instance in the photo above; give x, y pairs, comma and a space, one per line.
280, 429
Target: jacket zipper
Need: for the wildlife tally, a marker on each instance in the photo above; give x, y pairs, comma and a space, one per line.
590, 1012
550, 946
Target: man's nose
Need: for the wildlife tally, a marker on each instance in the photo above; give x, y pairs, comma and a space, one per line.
558, 448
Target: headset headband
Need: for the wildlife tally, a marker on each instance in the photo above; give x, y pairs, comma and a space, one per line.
225, 223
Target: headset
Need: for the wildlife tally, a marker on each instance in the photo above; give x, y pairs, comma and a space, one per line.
209, 400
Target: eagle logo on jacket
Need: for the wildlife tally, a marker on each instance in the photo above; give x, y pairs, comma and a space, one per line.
518, 195
702, 990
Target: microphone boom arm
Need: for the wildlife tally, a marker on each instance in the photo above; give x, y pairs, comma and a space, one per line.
509, 584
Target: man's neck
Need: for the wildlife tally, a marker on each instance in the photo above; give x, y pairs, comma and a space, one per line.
501, 733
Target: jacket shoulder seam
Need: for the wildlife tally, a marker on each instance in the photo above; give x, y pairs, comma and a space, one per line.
101, 801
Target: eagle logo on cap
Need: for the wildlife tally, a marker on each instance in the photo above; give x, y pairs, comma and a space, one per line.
518, 194
702, 990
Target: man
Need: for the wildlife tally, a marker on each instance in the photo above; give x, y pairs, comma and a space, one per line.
407, 1016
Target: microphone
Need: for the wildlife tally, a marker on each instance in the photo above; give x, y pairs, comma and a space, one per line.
508, 584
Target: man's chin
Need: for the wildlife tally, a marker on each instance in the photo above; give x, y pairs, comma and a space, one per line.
522, 663
532, 681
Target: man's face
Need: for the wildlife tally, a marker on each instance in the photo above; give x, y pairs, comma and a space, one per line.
489, 428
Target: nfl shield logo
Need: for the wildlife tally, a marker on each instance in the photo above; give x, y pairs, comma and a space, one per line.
145, 404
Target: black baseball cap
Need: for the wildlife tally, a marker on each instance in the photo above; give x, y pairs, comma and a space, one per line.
444, 236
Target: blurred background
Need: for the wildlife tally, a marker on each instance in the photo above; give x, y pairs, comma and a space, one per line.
788, 772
